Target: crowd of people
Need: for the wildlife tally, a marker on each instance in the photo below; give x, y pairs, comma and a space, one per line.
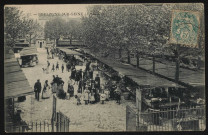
90, 89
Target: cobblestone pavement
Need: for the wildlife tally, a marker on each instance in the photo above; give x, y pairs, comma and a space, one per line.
93, 117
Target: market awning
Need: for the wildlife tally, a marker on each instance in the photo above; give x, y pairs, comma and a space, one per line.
16, 84
68, 47
70, 52
28, 51
137, 75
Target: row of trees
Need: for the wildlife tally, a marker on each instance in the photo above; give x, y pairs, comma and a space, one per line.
145, 28
58, 27
17, 25
142, 29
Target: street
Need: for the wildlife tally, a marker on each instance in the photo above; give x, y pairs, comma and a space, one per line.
91, 117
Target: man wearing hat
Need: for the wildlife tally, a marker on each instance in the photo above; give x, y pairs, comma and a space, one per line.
37, 89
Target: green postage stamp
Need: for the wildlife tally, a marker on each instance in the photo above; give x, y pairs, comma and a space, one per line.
185, 28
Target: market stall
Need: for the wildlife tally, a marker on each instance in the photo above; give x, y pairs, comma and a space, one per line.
16, 86
28, 57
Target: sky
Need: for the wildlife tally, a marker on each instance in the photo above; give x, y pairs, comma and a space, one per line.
55, 8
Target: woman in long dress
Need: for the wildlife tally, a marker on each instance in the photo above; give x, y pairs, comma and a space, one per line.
45, 92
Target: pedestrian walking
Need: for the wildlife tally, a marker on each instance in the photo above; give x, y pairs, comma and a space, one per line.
48, 63
53, 68
45, 92
90, 73
70, 88
47, 51
77, 77
73, 73
37, 89
62, 67
80, 85
54, 84
97, 82
57, 66
52, 53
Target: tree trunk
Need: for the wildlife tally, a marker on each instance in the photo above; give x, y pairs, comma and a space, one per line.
119, 53
54, 42
177, 64
129, 60
153, 62
57, 41
137, 57
30, 40
71, 40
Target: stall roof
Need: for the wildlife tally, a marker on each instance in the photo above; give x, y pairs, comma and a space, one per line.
67, 47
16, 84
137, 75
70, 52
28, 51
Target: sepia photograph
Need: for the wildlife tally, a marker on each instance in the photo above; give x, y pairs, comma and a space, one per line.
104, 67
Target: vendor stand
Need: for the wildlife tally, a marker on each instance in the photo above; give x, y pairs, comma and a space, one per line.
28, 57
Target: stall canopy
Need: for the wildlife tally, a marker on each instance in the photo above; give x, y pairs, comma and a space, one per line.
68, 47
29, 51
70, 52
16, 84
137, 75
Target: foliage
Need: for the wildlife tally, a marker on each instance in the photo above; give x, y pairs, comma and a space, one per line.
58, 27
17, 25
12, 25
131, 27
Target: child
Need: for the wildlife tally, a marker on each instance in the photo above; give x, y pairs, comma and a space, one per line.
86, 95
92, 98
79, 95
102, 97
107, 93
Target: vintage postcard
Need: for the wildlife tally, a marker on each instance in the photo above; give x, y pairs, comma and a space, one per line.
104, 67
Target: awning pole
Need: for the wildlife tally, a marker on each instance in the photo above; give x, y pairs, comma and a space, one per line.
12, 108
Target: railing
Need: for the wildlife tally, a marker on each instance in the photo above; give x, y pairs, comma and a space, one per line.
183, 119
42, 126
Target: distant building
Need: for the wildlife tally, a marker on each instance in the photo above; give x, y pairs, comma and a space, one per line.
40, 43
